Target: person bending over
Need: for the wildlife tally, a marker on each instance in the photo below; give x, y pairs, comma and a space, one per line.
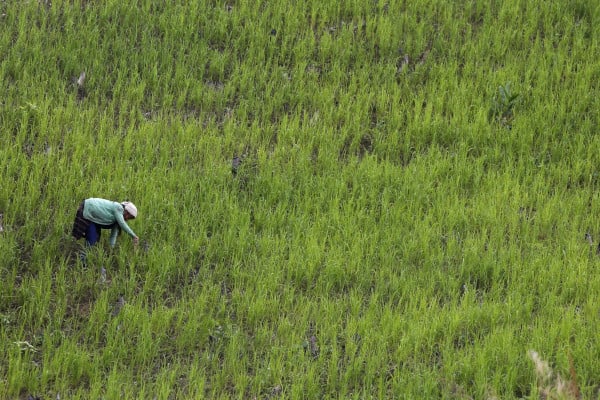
95, 214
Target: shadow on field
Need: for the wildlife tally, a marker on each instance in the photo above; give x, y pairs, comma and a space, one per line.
71, 250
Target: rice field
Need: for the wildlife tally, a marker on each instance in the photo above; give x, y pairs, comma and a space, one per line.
412, 211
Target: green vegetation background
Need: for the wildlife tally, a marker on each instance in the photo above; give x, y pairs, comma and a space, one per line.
408, 220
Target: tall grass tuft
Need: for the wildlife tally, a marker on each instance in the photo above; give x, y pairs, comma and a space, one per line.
551, 385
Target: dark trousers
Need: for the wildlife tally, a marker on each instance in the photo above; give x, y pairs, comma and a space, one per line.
93, 232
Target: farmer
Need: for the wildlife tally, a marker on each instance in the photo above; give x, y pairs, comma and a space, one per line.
95, 214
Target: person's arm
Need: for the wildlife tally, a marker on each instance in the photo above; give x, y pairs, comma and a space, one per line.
121, 221
114, 232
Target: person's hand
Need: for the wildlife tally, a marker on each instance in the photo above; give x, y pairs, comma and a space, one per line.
136, 240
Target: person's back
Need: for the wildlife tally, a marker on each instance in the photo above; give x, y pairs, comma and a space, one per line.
101, 211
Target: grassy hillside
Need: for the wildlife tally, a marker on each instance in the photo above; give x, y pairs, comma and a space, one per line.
408, 220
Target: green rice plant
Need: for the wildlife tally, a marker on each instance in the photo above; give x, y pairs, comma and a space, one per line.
503, 105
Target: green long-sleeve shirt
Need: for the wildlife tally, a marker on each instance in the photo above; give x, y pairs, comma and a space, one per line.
106, 212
